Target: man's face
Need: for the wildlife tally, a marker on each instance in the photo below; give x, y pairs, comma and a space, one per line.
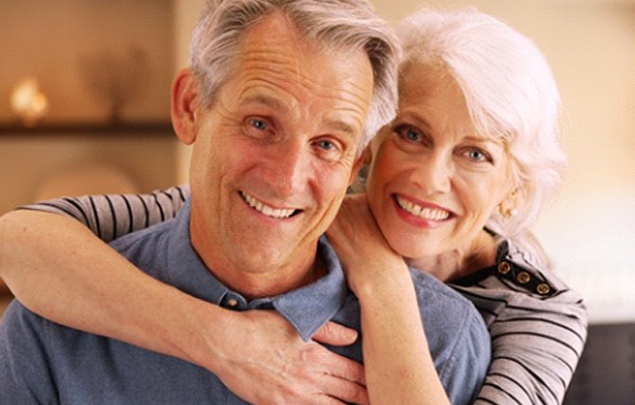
274, 154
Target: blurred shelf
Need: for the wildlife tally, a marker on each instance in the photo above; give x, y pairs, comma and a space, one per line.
123, 128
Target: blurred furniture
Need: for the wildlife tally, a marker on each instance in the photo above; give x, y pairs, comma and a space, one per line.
88, 178
606, 373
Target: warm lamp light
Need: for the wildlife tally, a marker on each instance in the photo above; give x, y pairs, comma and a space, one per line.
28, 102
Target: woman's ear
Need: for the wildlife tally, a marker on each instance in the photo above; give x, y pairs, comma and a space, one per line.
185, 105
508, 208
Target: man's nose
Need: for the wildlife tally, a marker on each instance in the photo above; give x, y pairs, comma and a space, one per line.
289, 169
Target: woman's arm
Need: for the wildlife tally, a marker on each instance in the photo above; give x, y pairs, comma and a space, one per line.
398, 364
537, 340
60, 270
113, 215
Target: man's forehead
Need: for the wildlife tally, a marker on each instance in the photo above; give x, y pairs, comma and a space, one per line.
277, 63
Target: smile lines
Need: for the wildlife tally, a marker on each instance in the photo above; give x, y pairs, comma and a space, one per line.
432, 214
277, 213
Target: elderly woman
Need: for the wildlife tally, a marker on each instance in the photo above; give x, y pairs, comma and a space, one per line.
453, 187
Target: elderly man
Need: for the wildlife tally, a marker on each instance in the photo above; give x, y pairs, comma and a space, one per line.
279, 101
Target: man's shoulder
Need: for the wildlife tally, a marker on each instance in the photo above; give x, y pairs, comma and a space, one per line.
144, 237
148, 249
428, 287
458, 338
447, 314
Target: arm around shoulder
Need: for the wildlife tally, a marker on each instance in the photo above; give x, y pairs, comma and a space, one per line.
60, 270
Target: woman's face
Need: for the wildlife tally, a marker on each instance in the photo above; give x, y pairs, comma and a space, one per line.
434, 181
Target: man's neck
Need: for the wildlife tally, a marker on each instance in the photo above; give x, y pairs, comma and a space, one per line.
269, 280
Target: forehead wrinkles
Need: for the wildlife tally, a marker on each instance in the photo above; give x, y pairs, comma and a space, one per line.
292, 72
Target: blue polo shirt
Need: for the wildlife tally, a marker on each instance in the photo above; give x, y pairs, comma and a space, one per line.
43, 362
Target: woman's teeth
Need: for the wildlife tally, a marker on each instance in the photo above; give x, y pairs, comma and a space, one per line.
432, 214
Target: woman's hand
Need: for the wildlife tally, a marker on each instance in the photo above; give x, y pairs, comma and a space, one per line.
268, 363
362, 249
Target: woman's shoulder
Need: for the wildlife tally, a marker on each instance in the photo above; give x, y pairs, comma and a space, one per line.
517, 271
519, 283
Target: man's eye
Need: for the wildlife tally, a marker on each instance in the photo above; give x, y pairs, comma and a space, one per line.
328, 149
259, 128
326, 145
259, 124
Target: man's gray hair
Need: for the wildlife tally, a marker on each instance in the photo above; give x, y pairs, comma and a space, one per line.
349, 25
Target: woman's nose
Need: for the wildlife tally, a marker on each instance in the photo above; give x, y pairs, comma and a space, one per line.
434, 174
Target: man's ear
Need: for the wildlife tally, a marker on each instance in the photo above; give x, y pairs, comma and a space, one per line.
185, 105
367, 155
363, 159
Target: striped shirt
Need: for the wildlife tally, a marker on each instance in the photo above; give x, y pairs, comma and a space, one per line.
537, 324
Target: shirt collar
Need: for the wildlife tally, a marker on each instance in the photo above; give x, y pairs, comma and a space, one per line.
306, 308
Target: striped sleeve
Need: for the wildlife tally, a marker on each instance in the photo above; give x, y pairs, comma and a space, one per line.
537, 341
110, 216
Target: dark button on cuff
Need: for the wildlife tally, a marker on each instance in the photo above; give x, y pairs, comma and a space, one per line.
523, 277
543, 289
504, 268
509, 271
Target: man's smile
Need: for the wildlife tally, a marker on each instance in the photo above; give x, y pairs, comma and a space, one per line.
277, 213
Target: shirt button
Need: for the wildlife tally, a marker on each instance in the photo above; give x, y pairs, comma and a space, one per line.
504, 268
232, 302
543, 289
523, 277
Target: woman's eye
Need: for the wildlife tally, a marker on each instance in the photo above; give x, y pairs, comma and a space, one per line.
408, 133
411, 139
477, 155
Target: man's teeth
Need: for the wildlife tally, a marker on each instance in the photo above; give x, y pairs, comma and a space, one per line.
267, 210
432, 214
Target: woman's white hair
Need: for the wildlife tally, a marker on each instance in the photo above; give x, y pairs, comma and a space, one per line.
510, 92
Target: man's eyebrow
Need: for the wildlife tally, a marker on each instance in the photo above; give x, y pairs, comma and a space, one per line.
343, 126
265, 100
